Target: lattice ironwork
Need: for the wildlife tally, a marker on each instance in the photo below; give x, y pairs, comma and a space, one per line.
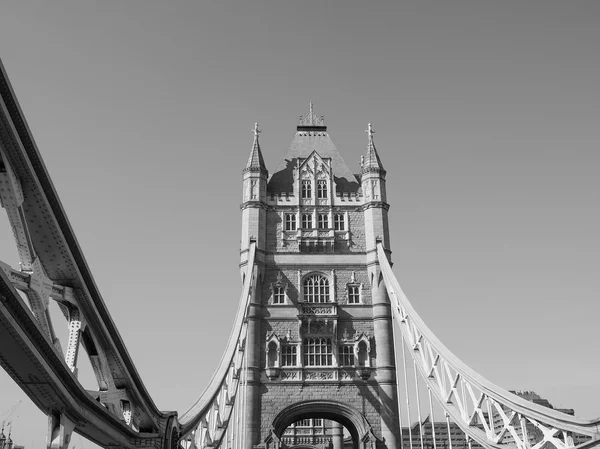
218, 417
490, 415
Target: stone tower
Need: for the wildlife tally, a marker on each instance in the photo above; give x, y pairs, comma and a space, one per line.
320, 341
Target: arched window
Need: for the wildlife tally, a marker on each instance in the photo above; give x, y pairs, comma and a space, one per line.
321, 189
346, 355
272, 355
316, 288
362, 354
318, 352
306, 189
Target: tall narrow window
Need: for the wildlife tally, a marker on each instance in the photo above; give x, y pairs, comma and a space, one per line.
318, 352
322, 189
316, 288
306, 189
353, 294
289, 355
362, 354
323, 221
290, 222
307, 221
278, 295
346, 354
339, 222
272, 355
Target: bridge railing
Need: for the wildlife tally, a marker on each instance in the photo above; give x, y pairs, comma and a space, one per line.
217, 416
488, 415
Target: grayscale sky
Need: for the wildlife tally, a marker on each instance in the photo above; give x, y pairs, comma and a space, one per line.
486, 117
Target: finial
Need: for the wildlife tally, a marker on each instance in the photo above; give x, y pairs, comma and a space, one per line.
311, 119
370, 132
256, 131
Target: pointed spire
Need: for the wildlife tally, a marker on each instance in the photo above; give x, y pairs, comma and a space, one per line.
371, 162
256, 161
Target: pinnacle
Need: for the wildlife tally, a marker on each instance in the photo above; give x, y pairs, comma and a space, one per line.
256, 161
372, 162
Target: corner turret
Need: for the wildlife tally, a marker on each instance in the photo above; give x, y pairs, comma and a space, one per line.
254, 203
375, 196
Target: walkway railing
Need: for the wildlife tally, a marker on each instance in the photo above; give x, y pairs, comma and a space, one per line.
218, 416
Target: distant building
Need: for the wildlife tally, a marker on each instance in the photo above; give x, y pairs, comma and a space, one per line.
533, 433
447, 435
450, 435
315, 432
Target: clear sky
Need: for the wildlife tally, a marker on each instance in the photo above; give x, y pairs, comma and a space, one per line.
486, 117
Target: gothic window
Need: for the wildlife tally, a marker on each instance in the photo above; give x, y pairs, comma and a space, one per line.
289, 355
346, 354
306, 189
278, 294
374, 184
253, 190
353, 294
316, 288
323, 221
322, 189
307, 221
362, 354
272, 355
290, 222
318, 352
339, 222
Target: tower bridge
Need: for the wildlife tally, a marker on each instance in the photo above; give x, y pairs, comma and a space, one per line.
323, 329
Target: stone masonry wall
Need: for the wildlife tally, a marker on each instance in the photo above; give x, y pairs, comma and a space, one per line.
356, 226
361, 396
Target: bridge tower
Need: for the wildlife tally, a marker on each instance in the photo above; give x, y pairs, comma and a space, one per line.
320, 341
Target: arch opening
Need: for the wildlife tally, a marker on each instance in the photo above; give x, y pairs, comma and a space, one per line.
350, 418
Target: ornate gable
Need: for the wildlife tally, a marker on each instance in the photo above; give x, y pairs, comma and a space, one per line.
315, 167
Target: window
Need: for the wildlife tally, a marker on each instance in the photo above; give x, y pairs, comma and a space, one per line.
323, 221
322, 189
272, 355
306, 189
362, 354
278, 295
289, 355
316, 289
303, 423
353, 294
339, 222
318, 352
346, 355
307, 221
318, 422
290, 222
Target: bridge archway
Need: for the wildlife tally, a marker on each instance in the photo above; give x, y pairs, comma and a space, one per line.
349, 417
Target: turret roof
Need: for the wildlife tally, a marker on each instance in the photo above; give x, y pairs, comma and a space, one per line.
255, 160
311, 135
372, 161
